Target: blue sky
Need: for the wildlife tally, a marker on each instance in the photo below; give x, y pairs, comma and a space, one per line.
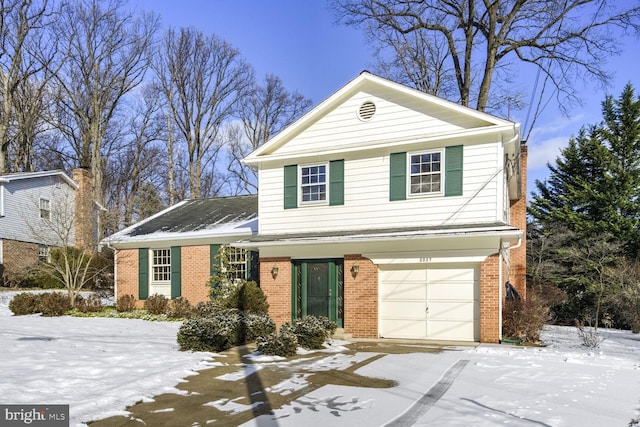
298, 41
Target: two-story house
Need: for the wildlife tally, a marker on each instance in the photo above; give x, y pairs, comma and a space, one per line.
395, 213
41, 210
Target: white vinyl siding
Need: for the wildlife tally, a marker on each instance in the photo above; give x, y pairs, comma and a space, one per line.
22, 221
366, 197
397, 118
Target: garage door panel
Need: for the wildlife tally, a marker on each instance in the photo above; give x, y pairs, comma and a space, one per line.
438, 291
404, 290
403, 328
404, 309
457, 331
452, 274
451, 311
449, 291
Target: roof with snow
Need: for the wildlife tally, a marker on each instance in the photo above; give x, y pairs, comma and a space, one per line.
210, 220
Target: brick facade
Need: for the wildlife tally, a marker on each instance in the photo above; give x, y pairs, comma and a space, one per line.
85, 226
518, 212
195, 268
361, 297
490, 303
18, 258
278, 290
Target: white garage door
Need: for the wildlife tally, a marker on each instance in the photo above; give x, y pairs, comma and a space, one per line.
439, 302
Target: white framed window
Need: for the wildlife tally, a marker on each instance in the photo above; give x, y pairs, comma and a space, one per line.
45, 208
43, 253
425, 173
161, 266
237, 263
313, 184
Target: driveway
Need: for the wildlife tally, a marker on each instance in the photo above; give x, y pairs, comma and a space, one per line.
271, 391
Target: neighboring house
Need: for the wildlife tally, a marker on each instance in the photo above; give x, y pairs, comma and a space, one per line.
395, 213
173, 253
41, 210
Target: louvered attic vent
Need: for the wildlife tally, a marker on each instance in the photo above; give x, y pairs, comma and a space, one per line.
367, 110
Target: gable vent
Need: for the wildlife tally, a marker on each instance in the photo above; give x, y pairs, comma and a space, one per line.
367, 110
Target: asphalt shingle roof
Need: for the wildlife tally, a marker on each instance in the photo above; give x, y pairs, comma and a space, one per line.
195, 215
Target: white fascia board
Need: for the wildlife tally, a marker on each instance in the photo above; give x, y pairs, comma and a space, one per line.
30, 175
433, 257
1, 199
387, 144
194, 238
507, 234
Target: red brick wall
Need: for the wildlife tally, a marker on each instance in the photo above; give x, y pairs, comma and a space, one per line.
19, 257
278, 289
490, 299
518, 212
360, 298
127, 273
195, 273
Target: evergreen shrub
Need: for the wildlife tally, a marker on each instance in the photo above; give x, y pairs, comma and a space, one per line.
25, 303
206, 309
54, 304
247, 297
283, 344
156, 304
311, 331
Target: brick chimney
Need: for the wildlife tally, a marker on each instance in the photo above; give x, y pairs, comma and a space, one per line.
84, 209
518, 257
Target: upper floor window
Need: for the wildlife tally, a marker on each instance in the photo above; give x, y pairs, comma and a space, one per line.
161, 265
45, 209
425, 170
313, 183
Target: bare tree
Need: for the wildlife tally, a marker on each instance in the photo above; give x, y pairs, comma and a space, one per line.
24, 54
202, 78
265, 112
567, 40
136, 161
107, 55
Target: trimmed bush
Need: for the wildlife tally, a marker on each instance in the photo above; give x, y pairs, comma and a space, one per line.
311, 331
247, 297
222, 330
47, 281
283, 344
206, 309
91, 304
54, 304
180, 308
257, 325
25, 303
156, 304
126, 303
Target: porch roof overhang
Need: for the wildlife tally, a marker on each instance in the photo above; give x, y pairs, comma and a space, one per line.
483, 239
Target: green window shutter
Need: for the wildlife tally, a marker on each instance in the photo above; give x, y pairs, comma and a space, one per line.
398, 176
214, 263
453, 171
336, 182
252, 266
143, 273
291, 186
176, 273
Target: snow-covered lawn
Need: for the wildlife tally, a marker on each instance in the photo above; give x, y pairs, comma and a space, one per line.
100, 366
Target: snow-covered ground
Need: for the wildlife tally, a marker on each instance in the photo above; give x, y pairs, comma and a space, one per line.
99, 366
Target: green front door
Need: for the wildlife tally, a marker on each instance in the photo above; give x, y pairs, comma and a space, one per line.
318, 289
